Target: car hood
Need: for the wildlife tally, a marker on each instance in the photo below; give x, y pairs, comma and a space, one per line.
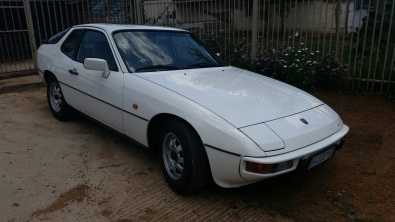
241, 97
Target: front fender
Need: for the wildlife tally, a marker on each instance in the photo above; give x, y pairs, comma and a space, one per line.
153, 100
224, 143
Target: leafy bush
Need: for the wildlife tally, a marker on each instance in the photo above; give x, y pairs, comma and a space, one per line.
237, 52
330, 74
302, 67
296, 66
299, 66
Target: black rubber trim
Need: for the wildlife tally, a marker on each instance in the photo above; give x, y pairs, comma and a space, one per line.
116, 107
221, 150
274, 150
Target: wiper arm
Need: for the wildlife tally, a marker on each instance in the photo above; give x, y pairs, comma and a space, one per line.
157, 67
202, 65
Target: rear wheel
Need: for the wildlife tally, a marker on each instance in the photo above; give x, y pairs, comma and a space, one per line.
184, 160
56, 102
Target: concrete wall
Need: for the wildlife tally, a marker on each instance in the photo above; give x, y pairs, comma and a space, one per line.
316, 15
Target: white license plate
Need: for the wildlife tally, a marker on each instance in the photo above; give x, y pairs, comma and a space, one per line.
320, 158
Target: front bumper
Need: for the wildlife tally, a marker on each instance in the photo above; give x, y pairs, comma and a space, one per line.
296, 156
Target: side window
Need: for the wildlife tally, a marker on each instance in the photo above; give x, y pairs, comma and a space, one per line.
94, 44
71, 44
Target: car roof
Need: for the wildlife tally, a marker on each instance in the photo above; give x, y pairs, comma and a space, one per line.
117, 27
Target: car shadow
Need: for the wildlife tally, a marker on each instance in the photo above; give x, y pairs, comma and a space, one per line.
282, 195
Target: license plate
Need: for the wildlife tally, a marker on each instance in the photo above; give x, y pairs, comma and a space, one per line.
320, 158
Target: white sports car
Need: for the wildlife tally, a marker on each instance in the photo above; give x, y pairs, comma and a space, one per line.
161, 87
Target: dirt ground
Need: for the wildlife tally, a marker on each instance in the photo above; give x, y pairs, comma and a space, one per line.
81, 171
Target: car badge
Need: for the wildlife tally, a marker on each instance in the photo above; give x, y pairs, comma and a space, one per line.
304, 121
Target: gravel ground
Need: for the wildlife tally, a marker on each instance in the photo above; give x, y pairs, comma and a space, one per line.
82, 171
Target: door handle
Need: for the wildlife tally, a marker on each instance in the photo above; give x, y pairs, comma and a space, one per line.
73, 72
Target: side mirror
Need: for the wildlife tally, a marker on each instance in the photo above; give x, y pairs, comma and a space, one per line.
97, 65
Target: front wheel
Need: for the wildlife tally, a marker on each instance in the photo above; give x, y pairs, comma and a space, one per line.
184, 160
56, 101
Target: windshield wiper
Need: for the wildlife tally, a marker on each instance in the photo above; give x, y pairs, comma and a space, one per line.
157, 67
202, 65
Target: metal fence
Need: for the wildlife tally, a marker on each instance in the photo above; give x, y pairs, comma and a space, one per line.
26, 24
358, 33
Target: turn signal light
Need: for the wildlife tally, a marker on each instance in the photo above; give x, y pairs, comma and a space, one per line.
267, 168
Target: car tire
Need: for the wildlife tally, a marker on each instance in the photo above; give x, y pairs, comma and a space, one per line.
57, 104
184, 160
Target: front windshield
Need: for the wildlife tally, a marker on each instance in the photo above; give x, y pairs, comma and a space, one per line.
149, 51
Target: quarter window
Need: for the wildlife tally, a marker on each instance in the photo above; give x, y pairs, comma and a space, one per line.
94, 44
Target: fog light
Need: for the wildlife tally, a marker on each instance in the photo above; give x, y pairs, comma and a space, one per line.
262, 168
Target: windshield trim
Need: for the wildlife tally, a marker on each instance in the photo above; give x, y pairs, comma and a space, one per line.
212, 54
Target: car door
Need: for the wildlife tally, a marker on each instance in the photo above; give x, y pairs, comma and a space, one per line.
101, 98
66, 60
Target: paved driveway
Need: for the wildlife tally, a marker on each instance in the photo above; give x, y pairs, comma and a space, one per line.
81, 171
